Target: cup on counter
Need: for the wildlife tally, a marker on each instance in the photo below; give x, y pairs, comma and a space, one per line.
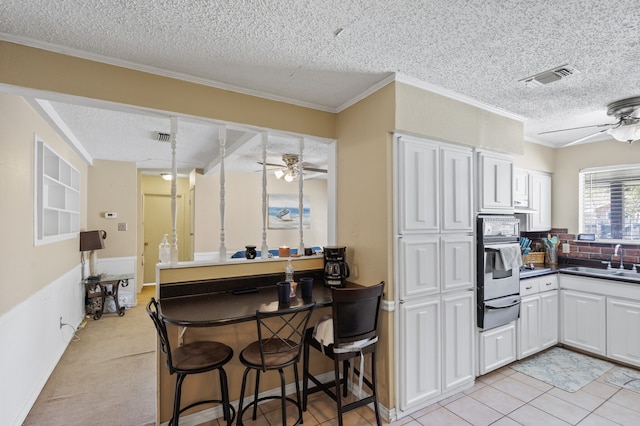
306, 285
294, 285
284, 292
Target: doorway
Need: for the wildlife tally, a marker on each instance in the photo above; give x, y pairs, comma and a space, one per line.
157, 222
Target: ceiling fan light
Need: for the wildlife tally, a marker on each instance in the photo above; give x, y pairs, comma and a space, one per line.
289, 177
279, 173
625, 133
166, 176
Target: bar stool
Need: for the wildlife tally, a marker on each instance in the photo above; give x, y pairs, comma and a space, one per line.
355, 324
279, 345
193, 358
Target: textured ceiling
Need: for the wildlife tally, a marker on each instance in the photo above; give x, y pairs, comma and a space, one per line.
288, 49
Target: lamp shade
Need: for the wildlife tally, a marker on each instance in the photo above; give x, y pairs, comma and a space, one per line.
92, 240
626, 132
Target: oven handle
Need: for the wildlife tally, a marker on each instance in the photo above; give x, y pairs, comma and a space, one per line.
494, 305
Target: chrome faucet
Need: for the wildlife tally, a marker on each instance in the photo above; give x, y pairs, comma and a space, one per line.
615, 253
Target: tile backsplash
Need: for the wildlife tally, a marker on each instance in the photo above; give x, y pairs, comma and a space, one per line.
586, 250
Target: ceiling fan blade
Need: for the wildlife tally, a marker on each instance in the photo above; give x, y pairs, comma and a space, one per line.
313, 169
272, 164
577, 141
576, 128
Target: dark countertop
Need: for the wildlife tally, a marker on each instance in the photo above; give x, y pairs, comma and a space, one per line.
541, 270
213, 309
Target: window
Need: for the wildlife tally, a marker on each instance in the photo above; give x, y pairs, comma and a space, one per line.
610, 202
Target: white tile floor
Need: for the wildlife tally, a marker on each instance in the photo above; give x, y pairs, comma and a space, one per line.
501, 398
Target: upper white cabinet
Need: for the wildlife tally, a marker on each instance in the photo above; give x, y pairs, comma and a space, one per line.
57, 196
495, 183
532, 196
457, 189
540, 201
435, 187
418, 185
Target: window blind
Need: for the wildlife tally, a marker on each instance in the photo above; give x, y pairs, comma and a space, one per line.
610, 202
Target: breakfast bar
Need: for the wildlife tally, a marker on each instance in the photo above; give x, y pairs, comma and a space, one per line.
218, 301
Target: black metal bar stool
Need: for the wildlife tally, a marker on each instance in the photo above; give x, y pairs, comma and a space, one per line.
193, 358
355, 334
279, 345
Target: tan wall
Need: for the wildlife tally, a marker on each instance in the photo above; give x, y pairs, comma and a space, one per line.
365, 207
243, 212
536, 157
569, 161
113, 189
27, 269
444, 119
24, 66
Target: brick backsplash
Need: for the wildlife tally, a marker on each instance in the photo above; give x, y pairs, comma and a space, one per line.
585, 250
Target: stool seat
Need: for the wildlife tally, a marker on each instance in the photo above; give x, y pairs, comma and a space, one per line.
275, 354
200, 356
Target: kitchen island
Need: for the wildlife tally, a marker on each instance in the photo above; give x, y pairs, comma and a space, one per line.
218, 301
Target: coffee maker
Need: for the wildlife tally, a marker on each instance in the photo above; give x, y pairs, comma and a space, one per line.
336, 269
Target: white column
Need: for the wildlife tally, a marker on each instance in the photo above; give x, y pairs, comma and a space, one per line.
264, 252
174, 178
223, 140
300, 197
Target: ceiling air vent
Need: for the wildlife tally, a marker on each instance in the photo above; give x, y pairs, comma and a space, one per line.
550, 76
163, 137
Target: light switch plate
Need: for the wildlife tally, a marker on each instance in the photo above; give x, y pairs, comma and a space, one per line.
566, 248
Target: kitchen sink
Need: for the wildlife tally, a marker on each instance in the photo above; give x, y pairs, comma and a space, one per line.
603, 273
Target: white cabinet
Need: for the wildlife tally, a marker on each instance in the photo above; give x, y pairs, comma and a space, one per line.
418, 170
436, 352
497, 347
458, 353
457, 189
495, 183
418, 265
540, 201
435, 187
532, 196
457, 262
623, 330
520, 188
583, 321
538, 322
420, 353
434, 266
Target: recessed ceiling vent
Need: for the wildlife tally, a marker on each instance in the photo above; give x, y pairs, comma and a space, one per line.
163, 137
550, 76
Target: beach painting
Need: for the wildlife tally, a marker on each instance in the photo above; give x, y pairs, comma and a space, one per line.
283, 212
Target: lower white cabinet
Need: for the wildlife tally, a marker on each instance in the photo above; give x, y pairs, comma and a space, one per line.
623, 330
497, 347
538, 322
457, 341
584, 321
435, 347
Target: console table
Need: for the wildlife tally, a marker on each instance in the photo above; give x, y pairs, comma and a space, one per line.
103, 287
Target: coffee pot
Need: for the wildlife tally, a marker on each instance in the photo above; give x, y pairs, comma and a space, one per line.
336, 269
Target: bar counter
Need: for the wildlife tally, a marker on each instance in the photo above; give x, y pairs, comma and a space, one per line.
209, 310
218, 302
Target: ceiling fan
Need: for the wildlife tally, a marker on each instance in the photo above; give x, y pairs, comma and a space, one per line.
626, 129
292, 168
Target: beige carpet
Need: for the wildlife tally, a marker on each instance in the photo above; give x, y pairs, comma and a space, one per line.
105, 378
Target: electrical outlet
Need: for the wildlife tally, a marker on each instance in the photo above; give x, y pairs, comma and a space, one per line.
566, 248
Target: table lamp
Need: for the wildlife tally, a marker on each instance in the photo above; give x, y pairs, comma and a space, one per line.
91, 241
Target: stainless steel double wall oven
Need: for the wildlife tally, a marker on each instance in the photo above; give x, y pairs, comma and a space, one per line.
498, 287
